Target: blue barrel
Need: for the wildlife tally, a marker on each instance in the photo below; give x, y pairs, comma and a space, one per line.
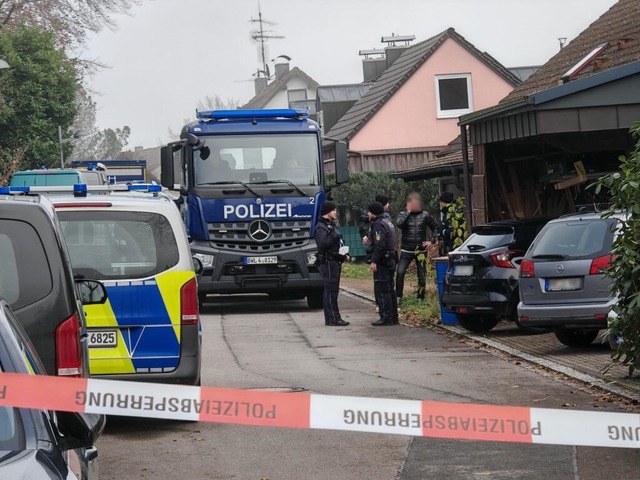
442, 265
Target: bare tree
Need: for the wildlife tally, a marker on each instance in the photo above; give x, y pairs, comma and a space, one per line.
210, 102
9, 161
69, 19
105, 144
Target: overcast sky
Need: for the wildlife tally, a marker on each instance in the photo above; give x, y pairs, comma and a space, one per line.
169, 54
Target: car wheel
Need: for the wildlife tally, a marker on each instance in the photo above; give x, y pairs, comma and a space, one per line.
576, 338
614, 340
478, 323
314, 299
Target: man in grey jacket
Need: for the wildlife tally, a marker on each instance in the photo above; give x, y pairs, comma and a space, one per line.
419, 231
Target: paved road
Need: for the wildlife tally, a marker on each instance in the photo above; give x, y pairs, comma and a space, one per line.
250, 342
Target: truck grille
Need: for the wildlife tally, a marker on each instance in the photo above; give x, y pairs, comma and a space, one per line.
235, 236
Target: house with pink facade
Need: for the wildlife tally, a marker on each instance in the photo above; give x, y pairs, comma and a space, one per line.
411, 110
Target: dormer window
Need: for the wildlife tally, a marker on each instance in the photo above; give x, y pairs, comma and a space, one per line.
453, 95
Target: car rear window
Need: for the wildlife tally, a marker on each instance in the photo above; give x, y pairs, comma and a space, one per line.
486, 238
25, 275
111, 245
574, 239
45, 179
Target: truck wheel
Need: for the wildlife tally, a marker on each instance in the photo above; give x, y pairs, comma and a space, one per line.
576, 338
314, 299
478, 323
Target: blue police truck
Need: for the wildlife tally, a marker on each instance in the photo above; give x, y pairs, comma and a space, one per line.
251, 183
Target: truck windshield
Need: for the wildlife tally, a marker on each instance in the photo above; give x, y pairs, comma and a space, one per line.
260, 158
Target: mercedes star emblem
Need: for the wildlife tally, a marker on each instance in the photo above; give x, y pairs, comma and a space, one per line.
259, 230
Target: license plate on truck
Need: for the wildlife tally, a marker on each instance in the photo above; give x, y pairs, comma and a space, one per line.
260, 260
463, 270
562, 284
102, 338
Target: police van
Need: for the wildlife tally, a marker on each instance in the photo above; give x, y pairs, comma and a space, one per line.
131, 239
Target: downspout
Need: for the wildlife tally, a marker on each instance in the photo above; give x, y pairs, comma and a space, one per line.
466, 179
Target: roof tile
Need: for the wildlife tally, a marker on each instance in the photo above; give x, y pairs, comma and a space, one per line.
619, 27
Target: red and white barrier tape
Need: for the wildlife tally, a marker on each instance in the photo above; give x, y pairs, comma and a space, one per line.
298, 410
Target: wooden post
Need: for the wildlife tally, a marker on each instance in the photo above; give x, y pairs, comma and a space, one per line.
465, 173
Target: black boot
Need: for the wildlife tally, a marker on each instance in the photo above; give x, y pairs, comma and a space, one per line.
338, 323
381, 323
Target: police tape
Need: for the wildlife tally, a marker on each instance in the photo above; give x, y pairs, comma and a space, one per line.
311, 411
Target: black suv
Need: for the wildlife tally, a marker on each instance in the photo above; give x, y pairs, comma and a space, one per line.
37, 282
481, 284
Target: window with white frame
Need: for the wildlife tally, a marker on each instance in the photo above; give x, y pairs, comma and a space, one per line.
453, 95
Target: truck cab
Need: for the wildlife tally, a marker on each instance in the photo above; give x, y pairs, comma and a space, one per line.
251, 184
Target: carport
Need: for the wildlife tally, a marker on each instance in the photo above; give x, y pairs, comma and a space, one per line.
537, 154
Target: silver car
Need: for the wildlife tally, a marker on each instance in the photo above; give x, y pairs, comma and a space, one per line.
562, 281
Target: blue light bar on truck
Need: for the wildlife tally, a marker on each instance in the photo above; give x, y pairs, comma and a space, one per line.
81, 189
253, 114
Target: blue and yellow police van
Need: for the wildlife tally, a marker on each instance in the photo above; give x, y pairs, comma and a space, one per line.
132, 240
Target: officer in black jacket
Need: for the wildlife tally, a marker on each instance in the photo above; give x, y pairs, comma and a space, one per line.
382, 248
329, 240
364, 224
413, 223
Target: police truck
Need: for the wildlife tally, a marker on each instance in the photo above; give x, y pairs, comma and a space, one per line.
250, 186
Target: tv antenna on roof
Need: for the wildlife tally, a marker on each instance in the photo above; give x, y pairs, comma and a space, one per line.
260, 37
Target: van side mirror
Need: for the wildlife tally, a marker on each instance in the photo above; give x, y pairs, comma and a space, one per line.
167, 167
342, 163
92, 292
79, 430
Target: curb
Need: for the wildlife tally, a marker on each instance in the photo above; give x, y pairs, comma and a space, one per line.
569, 372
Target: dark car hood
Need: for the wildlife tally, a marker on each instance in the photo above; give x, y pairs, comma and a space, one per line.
27, 465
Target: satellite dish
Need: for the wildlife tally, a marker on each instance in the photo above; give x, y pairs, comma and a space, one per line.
286, 57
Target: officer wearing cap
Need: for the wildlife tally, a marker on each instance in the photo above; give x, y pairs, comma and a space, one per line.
329, 241
381, 247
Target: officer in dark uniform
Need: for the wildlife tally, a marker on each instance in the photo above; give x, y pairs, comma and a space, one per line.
329, 241
382, 247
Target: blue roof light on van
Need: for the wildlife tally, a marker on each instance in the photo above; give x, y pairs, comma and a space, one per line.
253, 114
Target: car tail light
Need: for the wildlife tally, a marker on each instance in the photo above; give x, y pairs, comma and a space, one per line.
68, 348
189, 303
503, 259
527, 269
600, 264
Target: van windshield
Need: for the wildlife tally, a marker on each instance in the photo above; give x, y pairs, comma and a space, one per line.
574, 239
119, 245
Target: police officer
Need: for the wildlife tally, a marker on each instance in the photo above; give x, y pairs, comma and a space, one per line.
381, 246
329, 241
365, 225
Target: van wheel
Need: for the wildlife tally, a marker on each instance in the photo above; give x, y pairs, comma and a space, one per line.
314, 299
478, 323
576, 338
